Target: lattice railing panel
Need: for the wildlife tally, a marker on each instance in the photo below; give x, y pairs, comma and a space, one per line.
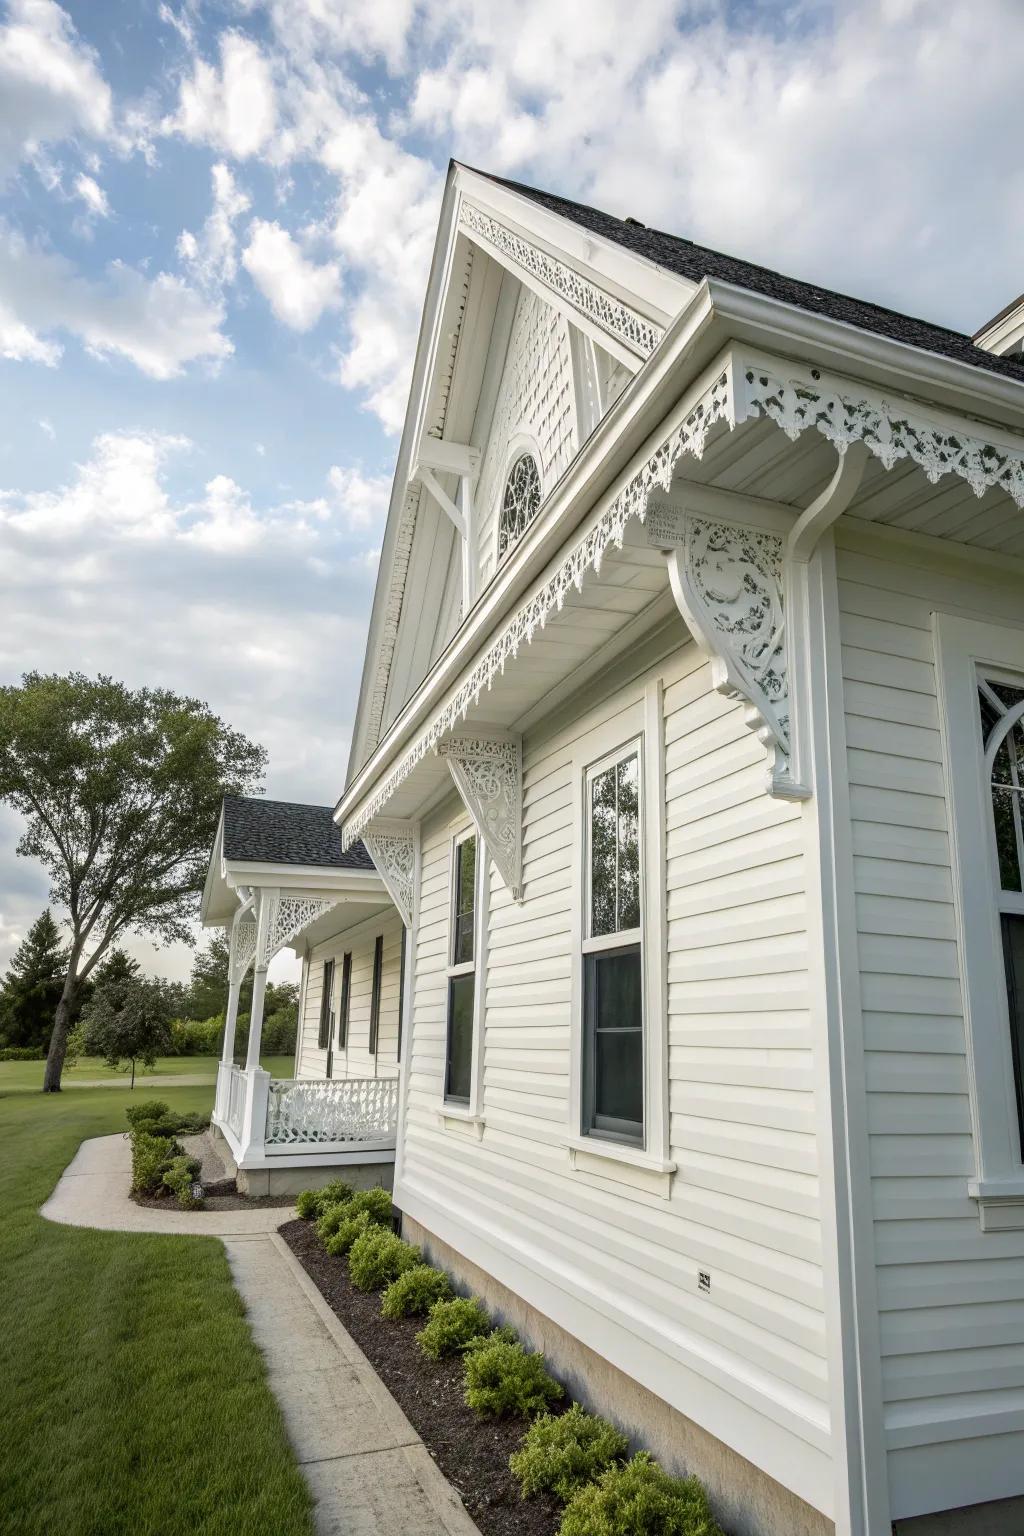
348, 1109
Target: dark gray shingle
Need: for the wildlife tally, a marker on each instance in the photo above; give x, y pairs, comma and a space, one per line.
258, 831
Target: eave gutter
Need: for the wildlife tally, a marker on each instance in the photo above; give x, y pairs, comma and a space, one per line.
716, 314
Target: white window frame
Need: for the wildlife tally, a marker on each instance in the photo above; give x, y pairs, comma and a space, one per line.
649, 1166
456, 1109
965, 650
519, 443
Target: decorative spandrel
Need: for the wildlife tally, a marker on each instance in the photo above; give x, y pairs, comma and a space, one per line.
489, 776
392, 847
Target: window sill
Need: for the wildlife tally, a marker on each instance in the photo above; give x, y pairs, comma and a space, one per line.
1000, 1203
625, 1164
457, 1117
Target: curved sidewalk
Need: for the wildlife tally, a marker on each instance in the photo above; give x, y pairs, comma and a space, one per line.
368, 1470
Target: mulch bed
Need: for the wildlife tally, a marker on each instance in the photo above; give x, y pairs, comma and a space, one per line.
471, 1452
214, 1202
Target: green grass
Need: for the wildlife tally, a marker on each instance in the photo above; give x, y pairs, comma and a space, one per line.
134, 1400
29, 1074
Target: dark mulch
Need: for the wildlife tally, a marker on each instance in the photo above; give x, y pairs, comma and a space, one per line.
471, 1452
215, 1202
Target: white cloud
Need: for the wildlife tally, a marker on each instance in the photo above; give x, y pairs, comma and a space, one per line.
363, 499
46, 426
160, 323
297, 289
118, 488
51, 87
213, 254
92, 195
232, 108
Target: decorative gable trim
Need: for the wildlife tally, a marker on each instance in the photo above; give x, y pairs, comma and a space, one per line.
488, 773
640, 335
243, 949
393, 846
288, 916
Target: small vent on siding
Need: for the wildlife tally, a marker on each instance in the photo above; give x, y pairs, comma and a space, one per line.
704, 1281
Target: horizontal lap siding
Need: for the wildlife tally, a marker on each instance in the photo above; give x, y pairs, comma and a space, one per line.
745, 1202
951, 1297
355, 1060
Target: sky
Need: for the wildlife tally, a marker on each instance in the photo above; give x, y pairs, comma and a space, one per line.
216, 219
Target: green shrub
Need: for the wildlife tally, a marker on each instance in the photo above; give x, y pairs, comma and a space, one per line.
415, 1292
562, 1454
312, 1203
151, 1158
180, 1177
149, 1109
452, 1326
345, 1235
22, 1053
375, 1202
502, 1377
640, 1499
378, 1257
196, 1037
331, 1218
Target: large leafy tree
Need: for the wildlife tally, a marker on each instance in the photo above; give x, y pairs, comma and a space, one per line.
120, 790
128, 1017
33, 984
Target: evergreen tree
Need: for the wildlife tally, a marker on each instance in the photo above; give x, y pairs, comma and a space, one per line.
32, 987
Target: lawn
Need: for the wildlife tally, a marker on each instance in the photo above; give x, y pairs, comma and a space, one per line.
29, 1074
134, 1400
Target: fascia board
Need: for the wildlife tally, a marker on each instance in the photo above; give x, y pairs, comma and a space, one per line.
358, 882
633, 278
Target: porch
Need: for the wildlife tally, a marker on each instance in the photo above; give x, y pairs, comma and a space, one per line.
273, 1125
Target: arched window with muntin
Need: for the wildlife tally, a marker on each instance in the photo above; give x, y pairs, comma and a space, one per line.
520, 502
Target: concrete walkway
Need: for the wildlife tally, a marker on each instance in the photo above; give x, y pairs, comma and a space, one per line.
367, 1468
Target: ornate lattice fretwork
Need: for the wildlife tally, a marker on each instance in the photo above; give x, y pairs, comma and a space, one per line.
488, 773
289, 915
245, 946
727, 581
520, 501
711, 407
611, 315
357, 1109
392, 847
844, 413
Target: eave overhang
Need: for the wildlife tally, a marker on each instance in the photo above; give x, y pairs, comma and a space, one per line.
719, 317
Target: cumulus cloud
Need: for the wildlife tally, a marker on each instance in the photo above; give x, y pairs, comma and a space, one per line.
231, 106
362, 499
159, 323
298, 290
212, 255
92, 195
51, 86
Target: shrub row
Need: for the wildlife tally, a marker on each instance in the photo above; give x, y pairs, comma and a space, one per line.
574, 1455
159, 1161
22, 1053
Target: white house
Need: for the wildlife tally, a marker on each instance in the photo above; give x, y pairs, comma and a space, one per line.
690, 751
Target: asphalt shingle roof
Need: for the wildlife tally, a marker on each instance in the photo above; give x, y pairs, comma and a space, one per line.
697, 262
259, 831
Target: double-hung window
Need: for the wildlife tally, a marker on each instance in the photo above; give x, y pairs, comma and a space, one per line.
613, 961
1001, 705
458, 1071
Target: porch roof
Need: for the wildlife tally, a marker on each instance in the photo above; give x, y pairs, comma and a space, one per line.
259, 831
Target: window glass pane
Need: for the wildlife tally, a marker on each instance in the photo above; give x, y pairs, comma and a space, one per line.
346, 999
1013, 953
460, 1037
628, 787
998, 704
614, 1011
465, 888
603, 831
378, 969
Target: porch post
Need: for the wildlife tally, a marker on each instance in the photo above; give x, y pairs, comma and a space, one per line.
267, 900
230, 1020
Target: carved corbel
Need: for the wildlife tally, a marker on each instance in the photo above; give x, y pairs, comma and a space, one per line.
393, 846
288, 915
488, 774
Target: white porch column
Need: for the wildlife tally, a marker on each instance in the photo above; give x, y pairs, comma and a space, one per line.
230, 1021
267, 903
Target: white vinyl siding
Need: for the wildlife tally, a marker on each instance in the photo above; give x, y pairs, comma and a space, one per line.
620, 1248
951, 1298
354, 1059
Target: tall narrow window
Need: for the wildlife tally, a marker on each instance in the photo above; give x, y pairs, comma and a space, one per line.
378, 971
401, 992
458, 1075
1001, 704
326, 1006
346, 1001
613, 1013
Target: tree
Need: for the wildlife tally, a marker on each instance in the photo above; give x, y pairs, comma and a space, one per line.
208, 984
121, 791
32, 987
128, 1017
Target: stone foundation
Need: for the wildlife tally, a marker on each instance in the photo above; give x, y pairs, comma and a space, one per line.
746, 1500
291, 1181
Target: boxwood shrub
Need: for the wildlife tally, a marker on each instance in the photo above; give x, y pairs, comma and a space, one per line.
415, 1292
640, 1499
504, 1378
562, 1453
180, 1177
452, 1326
152, 1156
312, 1203
346, 1232
378, 1257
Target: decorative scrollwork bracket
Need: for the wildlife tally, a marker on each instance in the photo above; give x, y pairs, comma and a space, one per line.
488, 774
393, 846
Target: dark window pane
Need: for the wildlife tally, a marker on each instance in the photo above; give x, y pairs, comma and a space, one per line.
614, 1065
326, 1016
465, 889
1013, 954
602, 853
628, 787
459, 1065
378, 971
346, 1000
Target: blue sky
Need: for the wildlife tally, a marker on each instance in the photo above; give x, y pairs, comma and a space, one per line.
215, 229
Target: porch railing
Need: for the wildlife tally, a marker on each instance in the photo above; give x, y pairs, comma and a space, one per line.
234, 1107
336, 1110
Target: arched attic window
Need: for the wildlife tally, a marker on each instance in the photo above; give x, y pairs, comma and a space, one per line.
1002, 719
520, 502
